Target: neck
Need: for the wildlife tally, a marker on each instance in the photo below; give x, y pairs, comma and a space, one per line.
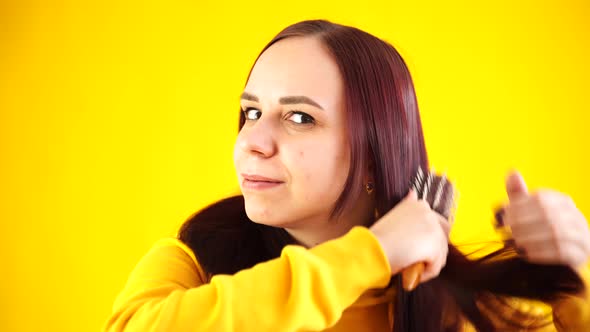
313, 233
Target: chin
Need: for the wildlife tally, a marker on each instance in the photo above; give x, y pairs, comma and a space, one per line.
260, 213
265, 214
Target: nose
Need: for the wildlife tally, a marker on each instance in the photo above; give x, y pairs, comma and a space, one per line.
258, 138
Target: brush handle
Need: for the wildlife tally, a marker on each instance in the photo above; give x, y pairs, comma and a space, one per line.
411, 276
440, 195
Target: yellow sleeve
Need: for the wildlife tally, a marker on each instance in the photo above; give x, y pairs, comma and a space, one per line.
573, 313
303, 289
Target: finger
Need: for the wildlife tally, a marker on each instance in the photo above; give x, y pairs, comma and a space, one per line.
515, 186
576, 235
412, 195
523, 214
541, 201
432, 270
538, 252
565, 228
531, 241
443, 259
445, 225
529, 231
566, 255
513, 217
529, 226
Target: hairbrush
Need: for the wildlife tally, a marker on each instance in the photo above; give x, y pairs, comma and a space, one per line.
441, 195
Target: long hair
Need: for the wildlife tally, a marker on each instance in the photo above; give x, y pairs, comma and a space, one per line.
384, 129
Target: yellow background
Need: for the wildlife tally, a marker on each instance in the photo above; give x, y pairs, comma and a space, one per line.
117, 121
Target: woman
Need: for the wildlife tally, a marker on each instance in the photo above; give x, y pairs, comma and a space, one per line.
330, 137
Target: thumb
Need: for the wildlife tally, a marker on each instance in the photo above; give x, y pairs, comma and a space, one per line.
515, 185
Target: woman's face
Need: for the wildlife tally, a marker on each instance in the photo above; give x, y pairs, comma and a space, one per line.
295, 135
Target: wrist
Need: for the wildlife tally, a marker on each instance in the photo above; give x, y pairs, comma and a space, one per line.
386, 249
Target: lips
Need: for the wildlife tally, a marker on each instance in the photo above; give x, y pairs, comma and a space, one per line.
254, 182
259, 178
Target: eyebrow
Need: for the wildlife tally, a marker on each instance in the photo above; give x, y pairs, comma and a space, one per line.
285, 100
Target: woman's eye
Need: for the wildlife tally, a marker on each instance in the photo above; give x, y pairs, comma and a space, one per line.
301, 118
252, 113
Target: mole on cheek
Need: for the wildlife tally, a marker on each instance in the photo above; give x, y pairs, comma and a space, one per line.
301, 153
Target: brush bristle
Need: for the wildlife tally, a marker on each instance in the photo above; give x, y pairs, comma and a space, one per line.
437, 191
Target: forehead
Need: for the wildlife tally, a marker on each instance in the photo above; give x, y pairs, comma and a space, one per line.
297, 66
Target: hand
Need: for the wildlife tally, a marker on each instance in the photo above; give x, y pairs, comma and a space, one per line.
546, 225
412, 232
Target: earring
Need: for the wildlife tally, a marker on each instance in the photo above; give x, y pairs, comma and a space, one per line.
369, 187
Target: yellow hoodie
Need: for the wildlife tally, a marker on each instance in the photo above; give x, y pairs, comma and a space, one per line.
332, 287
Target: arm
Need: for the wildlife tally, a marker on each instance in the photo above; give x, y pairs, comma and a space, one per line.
304, 289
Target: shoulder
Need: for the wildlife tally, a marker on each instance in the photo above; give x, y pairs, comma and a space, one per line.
179, 261
176, 246
167, 266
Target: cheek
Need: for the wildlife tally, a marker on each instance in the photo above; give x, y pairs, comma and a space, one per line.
235, 157
237, 150
319, 173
